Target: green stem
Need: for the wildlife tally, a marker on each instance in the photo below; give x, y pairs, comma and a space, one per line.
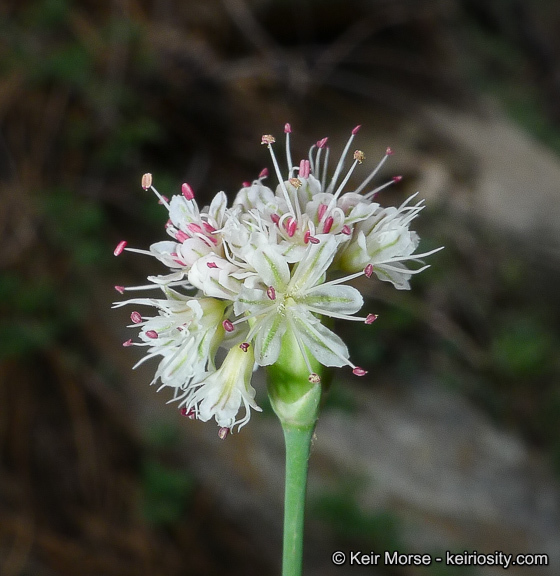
298, 443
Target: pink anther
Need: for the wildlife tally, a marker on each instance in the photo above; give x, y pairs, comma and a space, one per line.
368, 270
187, 191
291, 226
120, 289
328, 224
228, 326
271, 292
136, 317
127, 343
181, 236
371, 318
244, 346
211, 264
195, 228
389, 151
120, 247
359, 371
188, 413
397, 178
152, 334
223, 433
321, 211
304, 169
322, 143
287, 128
146, 181
263, 173
356, 129
346, 230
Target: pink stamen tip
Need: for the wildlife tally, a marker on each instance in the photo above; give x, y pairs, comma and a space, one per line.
136, 317
359, 371
368, 270
328, 224
322, 143
163, 199
223, 433
211, 264
120, 247
244, 346
187, 191
346, 230
306, 237
264, 173
208, 227
371, 318
397, 178
271, 292
120, 289
314, 378
246, 184
287, 128
275, 218
228, 326
168, 223
291, 226
314, 240
389, 151
195, 228
146, 181
304, 169
152, 334
321, 211
356, 129
127, 343
188, 413
181, 236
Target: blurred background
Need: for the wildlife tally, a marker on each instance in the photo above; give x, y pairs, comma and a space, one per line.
452, 441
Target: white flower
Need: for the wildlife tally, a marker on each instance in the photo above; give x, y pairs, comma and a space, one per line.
241, 278
281, 299
221, 393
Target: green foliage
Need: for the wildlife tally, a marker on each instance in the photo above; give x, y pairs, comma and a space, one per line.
166, 493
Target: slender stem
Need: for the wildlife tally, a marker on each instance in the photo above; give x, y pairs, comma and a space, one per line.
298, 443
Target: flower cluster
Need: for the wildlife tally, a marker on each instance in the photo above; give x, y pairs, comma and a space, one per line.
275, 261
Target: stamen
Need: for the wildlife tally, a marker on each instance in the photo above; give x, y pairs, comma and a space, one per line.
321, 211
291, 226
181, 236
314, 240
228, 326
187, 191
244, 346
120, 247
195, 228
223, 433
136, 317
127, 343
359, 371
211, 264
188, 412
340, 164
275, 218
152, 334
328, 224
368, 270
271, 292
295, 182
246, 184
371, 318
346, 230
120, 289
268, 139
372, 174
356, 129
314, 378
147, 181
263, 173
288, 131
